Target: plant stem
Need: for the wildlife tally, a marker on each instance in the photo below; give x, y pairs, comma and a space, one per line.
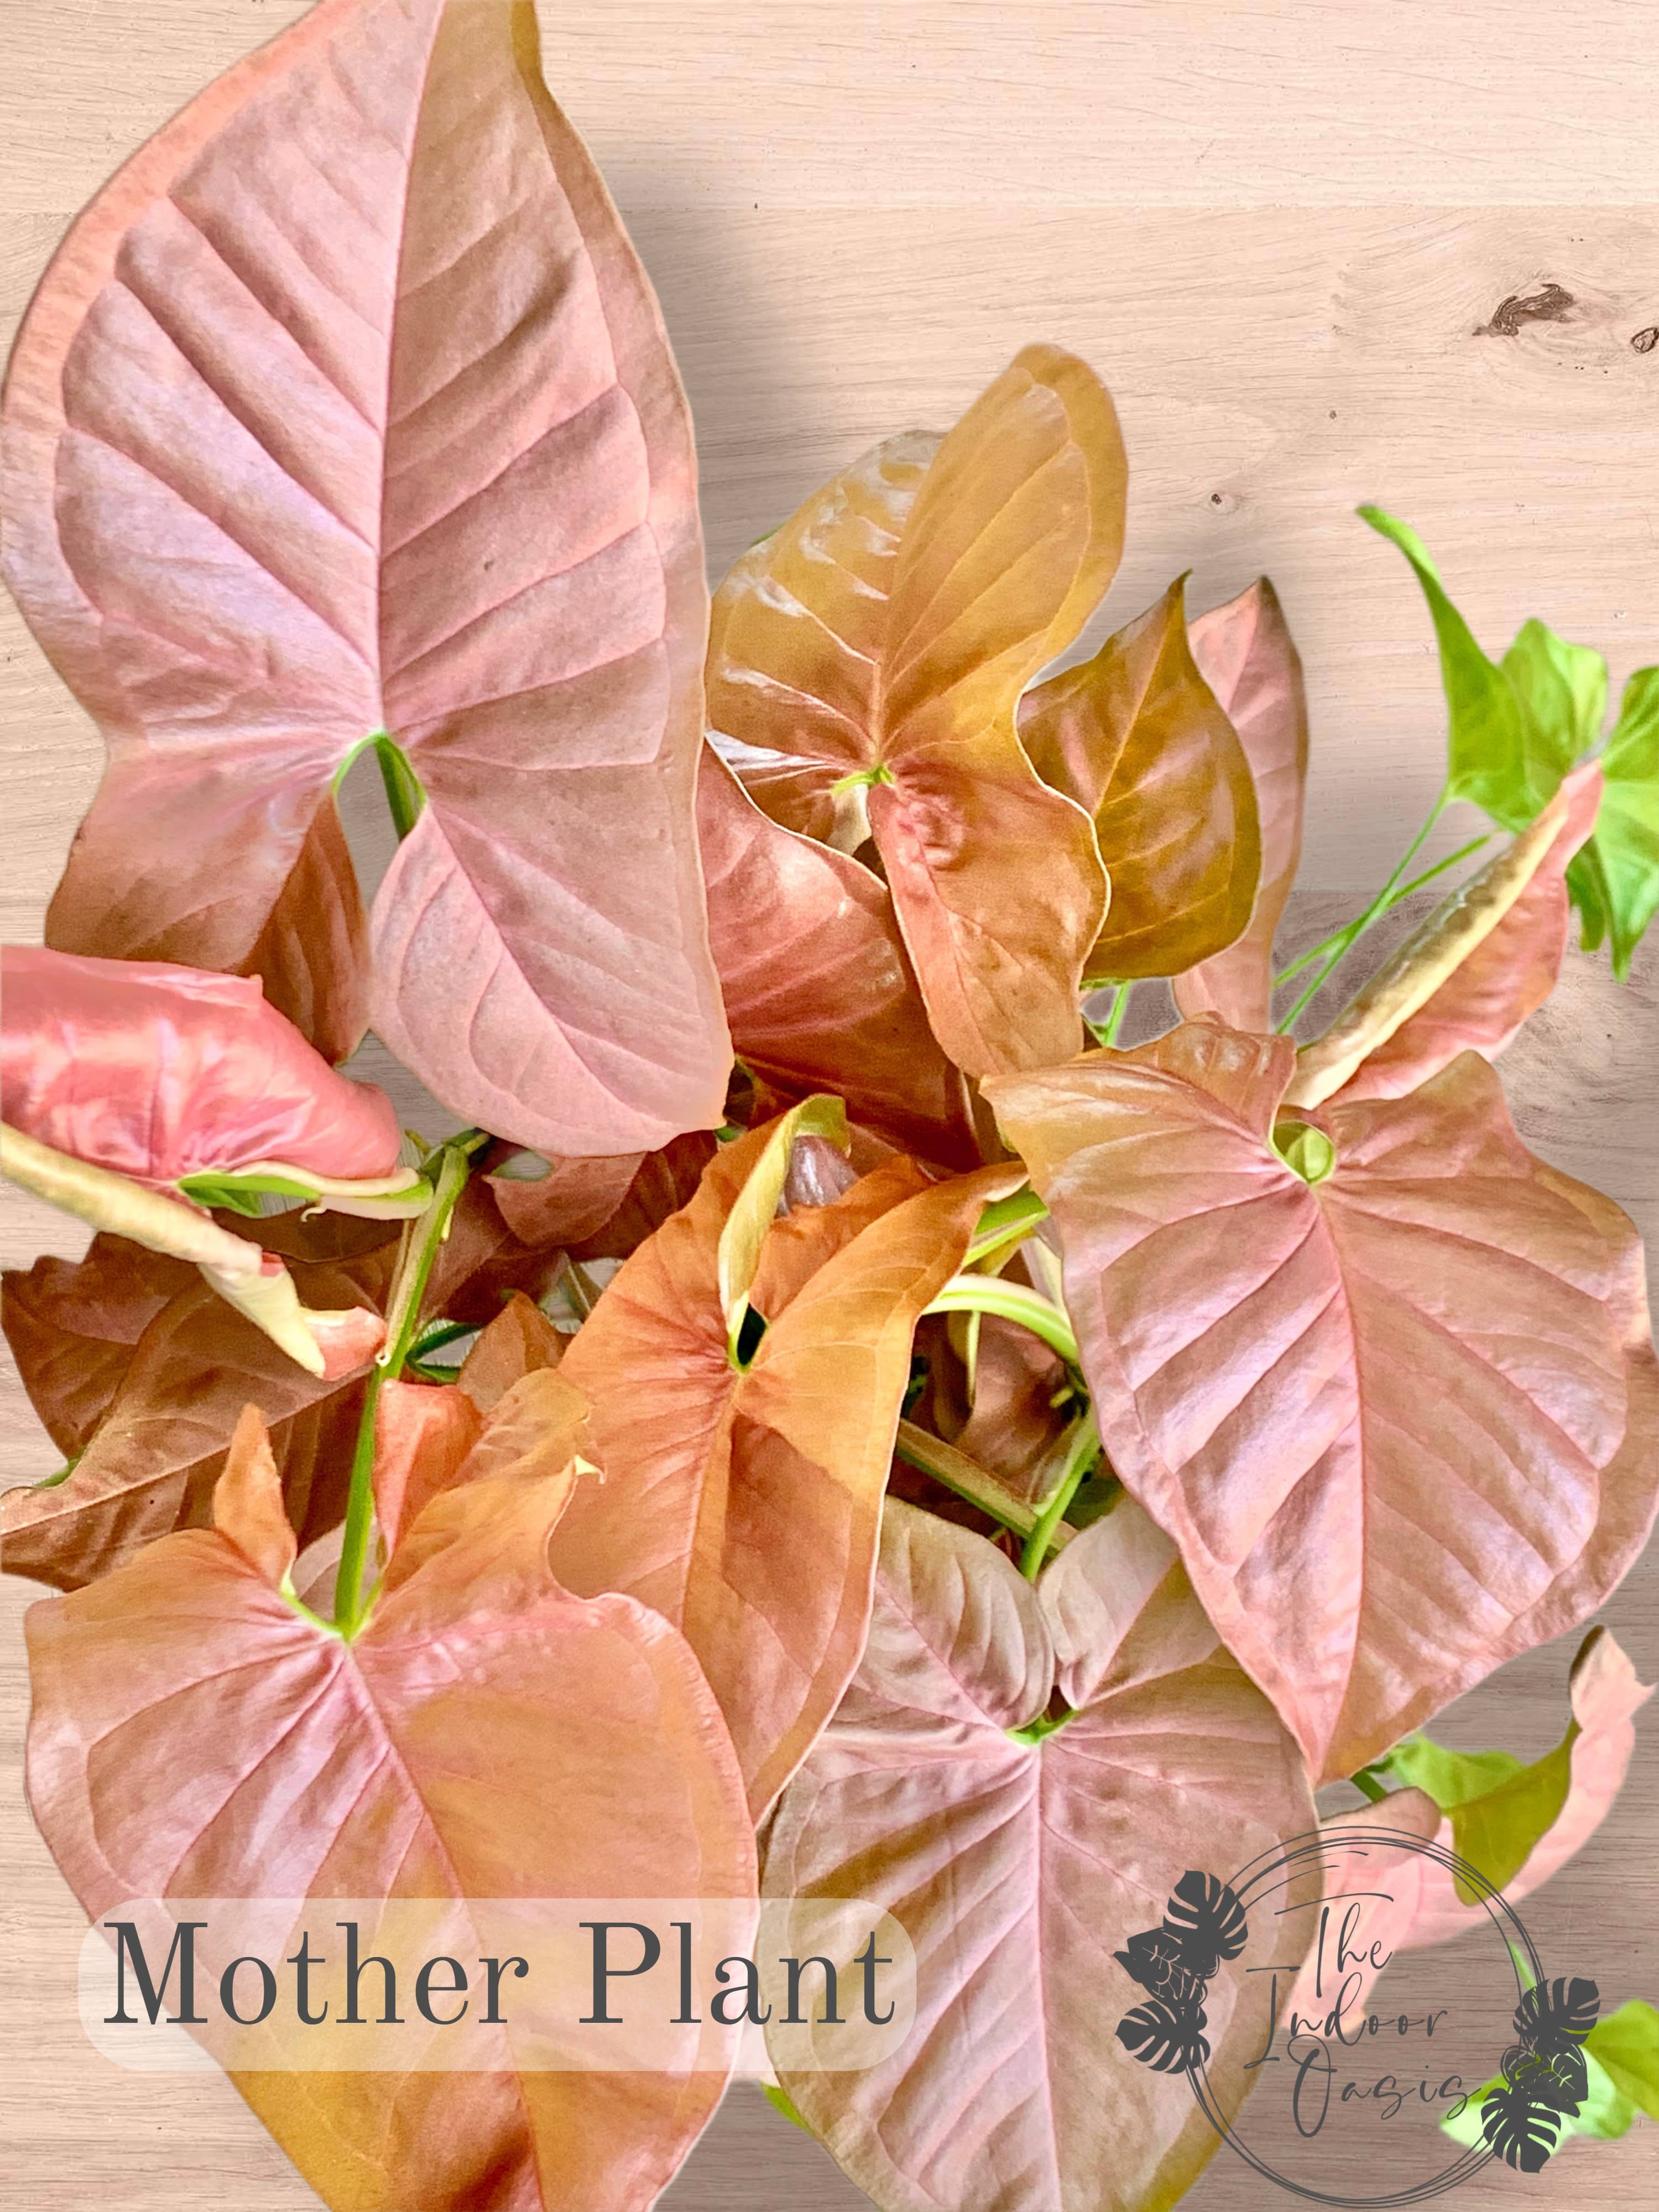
1081, 1453
1339, 936
1115, 1019
421, 1240
1014, 1302
1367, 1785
1348, 937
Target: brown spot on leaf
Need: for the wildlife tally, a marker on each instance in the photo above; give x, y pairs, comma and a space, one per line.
1551, 305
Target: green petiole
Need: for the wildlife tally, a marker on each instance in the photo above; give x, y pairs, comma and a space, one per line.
419, 1250
1082, 1451
1014, 1302
1390, 895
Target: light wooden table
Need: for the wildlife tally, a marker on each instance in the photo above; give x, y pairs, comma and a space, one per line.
1283, 230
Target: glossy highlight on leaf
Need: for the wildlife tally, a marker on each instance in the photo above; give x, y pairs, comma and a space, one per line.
885, 633
157, 1072
1136, 737
1297, 1379
1015, 2091
346, 410
182, 1705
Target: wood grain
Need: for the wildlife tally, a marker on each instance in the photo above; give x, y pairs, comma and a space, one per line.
1284, 231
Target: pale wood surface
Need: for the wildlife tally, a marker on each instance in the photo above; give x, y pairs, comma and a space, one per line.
1278, 229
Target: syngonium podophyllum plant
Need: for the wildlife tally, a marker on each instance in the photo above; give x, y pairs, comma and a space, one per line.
990, 1462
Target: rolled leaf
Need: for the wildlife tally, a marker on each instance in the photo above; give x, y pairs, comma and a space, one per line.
1136, 737
1244, 652
743, 1502
166, 1759
345, 409
879, 641
1018, 1869
1492, 991
1297, 1379
820, 993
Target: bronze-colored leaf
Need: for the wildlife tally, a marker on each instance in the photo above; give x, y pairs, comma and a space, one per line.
1136, 737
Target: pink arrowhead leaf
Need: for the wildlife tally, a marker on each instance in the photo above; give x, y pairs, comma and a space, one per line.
158, 1072
346, 409
1507, 977
183, 1709
1245, 654
1019, 1867
1297, 1379
743, 1502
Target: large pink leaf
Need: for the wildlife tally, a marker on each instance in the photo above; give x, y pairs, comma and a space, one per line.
1508, 976
1400, 1422
195, 1736
346, 409
158, 1072
1018, 1869
1245, 654
819, 989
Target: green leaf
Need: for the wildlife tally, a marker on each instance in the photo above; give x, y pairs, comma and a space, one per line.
1562, 688
1513, 730
1006, 1221
1309, 1150
1498, 1807
1605, 2111
1623, 854
1626, 2047
770, 2090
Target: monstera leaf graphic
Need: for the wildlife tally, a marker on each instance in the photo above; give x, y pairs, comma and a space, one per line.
1208, 1921
1520, 2126
1557, 2015
1559, 2079
1169, 2039
1154, 1959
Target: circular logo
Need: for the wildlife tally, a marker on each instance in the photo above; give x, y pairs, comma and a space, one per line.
1511, 2070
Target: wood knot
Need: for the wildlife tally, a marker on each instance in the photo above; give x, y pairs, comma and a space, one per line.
1551, 305
1645, 341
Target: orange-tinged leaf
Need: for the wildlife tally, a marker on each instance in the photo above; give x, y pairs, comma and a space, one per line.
743, 1503
570, 1199
422, 1433
72, 1326
248, 1501
749, 1218
884, 634
151, 1461
1012, 2093
1509, 975
183, 1710
811, 1231
1136, 737
1297, 1380
821, 996
1244, 652
346, 410
518, 1342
